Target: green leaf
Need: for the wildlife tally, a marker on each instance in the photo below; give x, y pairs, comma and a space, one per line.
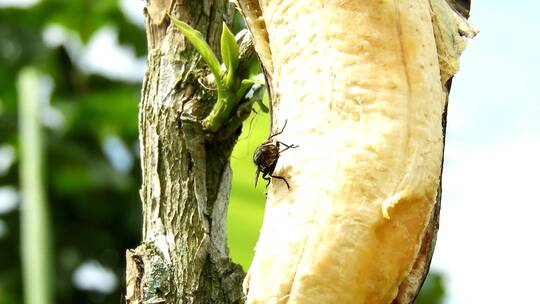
198, 42
258, 79
244, 86
266, 99
262, 106
254, 68
260, 93
229, 53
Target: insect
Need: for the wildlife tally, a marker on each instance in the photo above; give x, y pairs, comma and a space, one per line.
266, 157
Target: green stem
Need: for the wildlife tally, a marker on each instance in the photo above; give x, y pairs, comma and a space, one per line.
242, 113
35, 238
222, 111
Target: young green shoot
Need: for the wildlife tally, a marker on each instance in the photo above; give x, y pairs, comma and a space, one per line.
230, 88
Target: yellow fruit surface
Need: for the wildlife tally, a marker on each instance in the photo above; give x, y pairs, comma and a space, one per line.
358, 83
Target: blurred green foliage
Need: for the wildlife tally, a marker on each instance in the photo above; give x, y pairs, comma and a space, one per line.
246, 206
433, 291
95, 206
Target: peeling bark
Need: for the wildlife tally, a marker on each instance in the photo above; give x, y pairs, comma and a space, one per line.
410, 288
448, 20
186, 175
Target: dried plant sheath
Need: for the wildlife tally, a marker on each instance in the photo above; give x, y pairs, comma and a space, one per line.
362, 88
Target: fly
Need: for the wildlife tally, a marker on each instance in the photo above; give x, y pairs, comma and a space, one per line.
266, 157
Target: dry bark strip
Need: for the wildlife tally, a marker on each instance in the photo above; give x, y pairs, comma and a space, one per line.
268, 18
410, 288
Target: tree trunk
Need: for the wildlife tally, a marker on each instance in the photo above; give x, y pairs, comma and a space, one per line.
183, 257
186, 174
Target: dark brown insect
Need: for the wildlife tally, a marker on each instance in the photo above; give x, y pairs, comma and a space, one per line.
266, 157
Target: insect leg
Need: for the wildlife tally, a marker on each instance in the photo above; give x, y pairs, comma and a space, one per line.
284, 125
267, 179
287, 146
283, 179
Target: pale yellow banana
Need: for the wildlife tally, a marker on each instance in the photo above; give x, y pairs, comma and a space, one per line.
359, 83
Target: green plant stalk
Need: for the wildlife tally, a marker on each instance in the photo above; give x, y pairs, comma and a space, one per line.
228, 99
230, 88
35, 226
242, 113
222, 110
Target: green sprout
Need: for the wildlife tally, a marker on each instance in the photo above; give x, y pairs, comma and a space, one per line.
230, 88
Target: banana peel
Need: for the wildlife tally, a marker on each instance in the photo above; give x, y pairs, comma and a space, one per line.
364, 87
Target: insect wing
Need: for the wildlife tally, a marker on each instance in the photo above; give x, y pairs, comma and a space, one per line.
257, 176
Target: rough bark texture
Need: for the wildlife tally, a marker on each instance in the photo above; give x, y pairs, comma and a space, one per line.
186, 175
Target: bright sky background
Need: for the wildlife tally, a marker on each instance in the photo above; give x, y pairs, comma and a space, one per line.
489, 243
